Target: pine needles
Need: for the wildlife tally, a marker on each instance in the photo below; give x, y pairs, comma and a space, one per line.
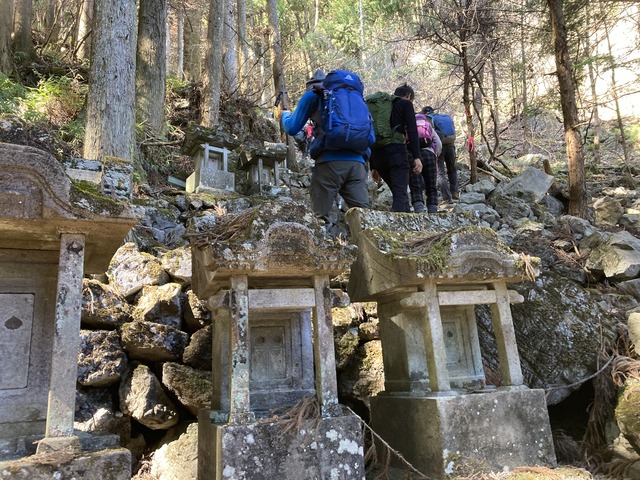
228, 227
529, 270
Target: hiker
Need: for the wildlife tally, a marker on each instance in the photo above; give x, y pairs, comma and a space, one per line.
430, 149
389, 160
339, 160
447, 172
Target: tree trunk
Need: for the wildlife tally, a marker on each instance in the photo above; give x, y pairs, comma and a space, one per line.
151, 64
243, 50
51, 21
524, 114
230, 74
278, 59
467, 99
6, 62
213, 69
575, 159
194, 37
278, 75
110, 121
362, 45
616, 98
264, 56
84, 30
180, 45
22, 40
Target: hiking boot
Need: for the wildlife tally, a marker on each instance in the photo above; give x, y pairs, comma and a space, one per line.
455, 196
418, 207
432, 208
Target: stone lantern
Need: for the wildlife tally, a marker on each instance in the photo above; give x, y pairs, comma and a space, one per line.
427, 272
265, 277
52, 232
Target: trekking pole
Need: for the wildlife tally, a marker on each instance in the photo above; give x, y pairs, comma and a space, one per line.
283, 98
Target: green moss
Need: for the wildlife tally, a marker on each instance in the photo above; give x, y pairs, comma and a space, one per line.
432, 253
118, 161
83, 192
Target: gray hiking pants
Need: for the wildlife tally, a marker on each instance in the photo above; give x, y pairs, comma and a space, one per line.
345, 177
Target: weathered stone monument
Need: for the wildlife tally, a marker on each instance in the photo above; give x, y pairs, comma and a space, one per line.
264, 168
265, 275
210, 152
427, 272
52, 232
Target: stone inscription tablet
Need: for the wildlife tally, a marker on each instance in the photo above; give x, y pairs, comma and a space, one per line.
16, 320
25, 203
268, 356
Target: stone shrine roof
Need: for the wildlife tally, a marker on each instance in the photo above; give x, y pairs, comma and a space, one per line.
401, 251
277, 244
38, 202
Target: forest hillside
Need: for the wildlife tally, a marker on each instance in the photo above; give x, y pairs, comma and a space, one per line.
551, 84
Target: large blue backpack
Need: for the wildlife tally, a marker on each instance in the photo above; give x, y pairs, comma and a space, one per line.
346, 123
444, 126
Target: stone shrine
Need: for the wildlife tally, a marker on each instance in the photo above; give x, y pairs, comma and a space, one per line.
264, 168
52, 232
210, 152
265, 274
427, 272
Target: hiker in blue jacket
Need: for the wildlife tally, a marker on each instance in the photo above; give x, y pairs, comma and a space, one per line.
335, 172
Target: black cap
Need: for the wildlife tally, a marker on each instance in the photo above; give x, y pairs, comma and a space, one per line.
427, 110
316, 79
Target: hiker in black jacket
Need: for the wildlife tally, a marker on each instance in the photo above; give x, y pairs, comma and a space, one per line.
390, 162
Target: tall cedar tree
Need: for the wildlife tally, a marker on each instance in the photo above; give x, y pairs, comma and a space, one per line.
151, 65
110, 124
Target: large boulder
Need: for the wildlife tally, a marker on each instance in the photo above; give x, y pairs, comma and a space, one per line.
531, 186
177, 263
191, 387
101, 359
103, 306
195, 313
143, 398
160, 304
560, 328
96, 413
608, 211
198, 353
615, 256
177, 458
626, 412
130, 270
362, 377
153, 341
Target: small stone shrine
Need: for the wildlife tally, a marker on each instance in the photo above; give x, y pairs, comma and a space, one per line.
210, 152
52, 232
266, 278
264, 168
427, 272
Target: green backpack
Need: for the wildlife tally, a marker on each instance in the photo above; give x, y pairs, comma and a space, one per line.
380, 105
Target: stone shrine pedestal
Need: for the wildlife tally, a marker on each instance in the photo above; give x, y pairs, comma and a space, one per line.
268, 287
439, 434
427, 272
